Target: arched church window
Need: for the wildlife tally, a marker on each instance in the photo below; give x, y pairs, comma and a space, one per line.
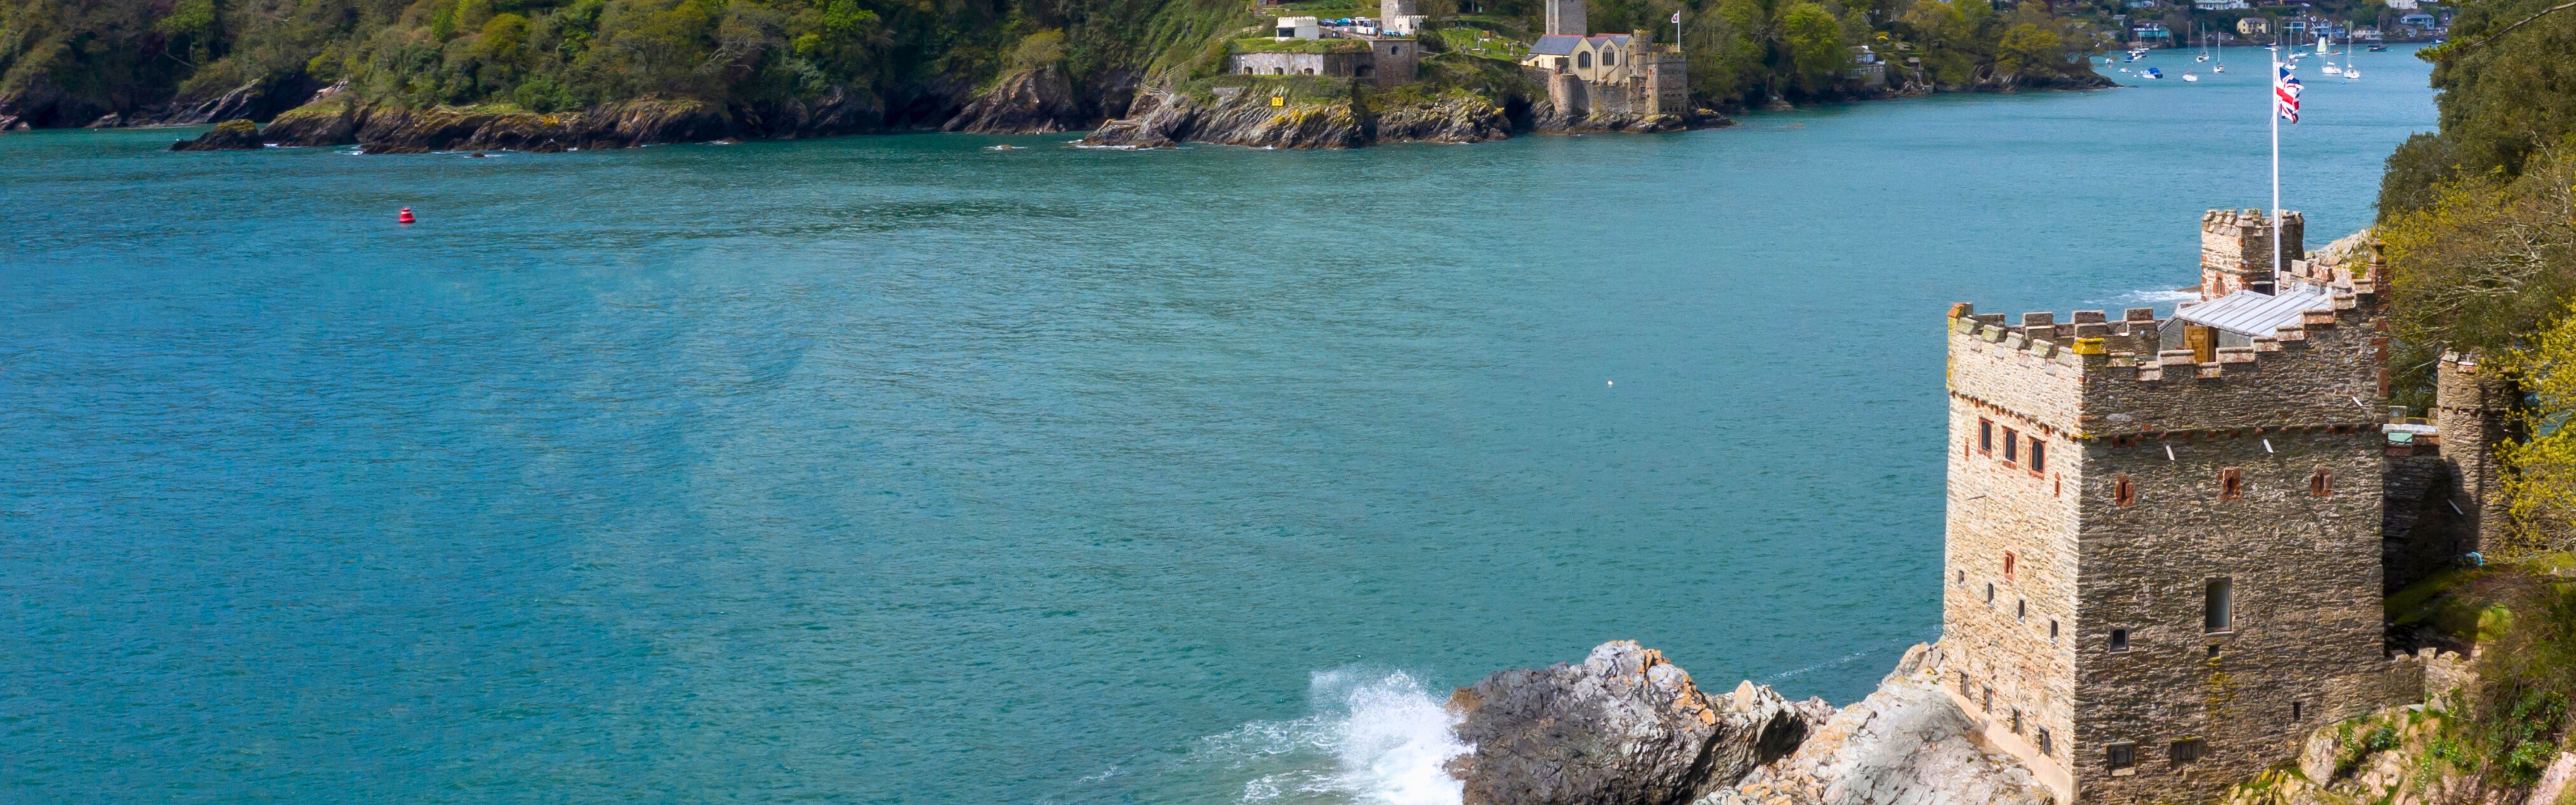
1583, 61
1609, 58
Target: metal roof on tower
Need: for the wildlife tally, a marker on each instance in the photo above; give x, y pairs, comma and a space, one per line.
2256, 314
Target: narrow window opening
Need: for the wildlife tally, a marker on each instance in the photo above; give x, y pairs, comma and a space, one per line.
2321, 484
2046, 746
2038, 456
1963, 578
2123, 755
2295, 711
1990, 592
2123, 492
1986, 437
2021, 609
1986, 702
2012, 446
2119, 640
2052, 629
2016, 721
2231, 485
2218, 608
2008, 565
2189, 750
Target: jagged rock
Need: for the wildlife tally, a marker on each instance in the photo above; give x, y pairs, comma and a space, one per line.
230, 135
1039, 101
1624, 727
1907, 744
1756, 725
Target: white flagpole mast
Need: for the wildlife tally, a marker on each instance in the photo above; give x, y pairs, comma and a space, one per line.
2274, 106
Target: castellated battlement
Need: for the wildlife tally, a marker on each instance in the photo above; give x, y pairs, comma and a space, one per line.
2236, 251
2099, 377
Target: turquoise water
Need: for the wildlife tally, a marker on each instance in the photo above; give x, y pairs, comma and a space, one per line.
896, 469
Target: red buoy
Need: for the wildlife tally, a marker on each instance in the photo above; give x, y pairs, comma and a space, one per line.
406, 215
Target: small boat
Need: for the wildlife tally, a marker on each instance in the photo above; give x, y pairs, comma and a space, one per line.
2187, 76
2330, 69
2154, 73
2377, 48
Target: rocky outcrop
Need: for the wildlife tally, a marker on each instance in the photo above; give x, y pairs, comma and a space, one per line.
1907, 744
342, 119
1040, 101
1624, 726
230, 135
1163, 118
1627, 727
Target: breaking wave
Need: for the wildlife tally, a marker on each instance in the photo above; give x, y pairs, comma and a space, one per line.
1375, 737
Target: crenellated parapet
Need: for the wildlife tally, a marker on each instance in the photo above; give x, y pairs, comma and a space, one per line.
2099, 377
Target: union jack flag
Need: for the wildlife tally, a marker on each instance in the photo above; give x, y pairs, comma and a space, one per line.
2285, 94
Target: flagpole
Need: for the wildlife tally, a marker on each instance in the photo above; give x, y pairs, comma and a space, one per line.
2274, 106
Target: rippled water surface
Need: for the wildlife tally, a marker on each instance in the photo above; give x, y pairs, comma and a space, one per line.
896, 469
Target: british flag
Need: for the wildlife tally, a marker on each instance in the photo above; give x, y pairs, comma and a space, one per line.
2285, 94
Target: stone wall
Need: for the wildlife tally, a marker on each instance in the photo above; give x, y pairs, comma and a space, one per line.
1396, 61
1335, 65
1666, 90
2304, 643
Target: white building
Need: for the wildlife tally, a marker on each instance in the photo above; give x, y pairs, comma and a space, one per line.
1299, 28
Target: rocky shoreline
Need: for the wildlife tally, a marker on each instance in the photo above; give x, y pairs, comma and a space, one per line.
1626, 726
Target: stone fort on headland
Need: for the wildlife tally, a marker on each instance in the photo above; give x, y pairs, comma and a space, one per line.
2169, 539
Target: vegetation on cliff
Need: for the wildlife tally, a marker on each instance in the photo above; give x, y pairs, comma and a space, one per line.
909, 62
2480, 221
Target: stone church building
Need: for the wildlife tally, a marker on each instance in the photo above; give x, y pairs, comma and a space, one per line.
2168, 539
1609, 74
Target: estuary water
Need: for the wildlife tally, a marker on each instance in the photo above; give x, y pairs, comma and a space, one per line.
900, 469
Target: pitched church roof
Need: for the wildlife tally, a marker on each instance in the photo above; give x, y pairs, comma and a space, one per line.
1615, 39
1555, 45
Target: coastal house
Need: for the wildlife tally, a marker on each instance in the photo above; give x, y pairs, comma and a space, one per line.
2168, 538
2253, 27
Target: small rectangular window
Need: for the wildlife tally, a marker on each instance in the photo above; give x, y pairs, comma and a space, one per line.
2008, 565
2189, 750
2046, 746
2052, 629
2021, 609
2123, 755
2123, 492
2321, 483
2231, 484
2294, 711
1986, 436
2218, 606
2038, 455
2012, 446
1990, 592
2119, 640
2016, 721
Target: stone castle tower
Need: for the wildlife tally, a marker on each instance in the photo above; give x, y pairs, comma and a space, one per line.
1566, 18
2164, 555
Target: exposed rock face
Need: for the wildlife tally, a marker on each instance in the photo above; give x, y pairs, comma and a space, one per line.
1163, 118
230, 135
1906, 744
1039, 101
1624, 727
340, 119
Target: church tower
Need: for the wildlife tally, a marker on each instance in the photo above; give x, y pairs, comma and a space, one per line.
1565, 18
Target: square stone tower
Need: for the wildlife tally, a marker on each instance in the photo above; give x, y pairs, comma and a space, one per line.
2236, 249
1566, 17
2163, 565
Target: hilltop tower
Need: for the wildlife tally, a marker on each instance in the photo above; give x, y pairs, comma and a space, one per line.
1565, 18
2163, 563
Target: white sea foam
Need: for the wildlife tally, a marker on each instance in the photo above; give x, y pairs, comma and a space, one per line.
1374, 737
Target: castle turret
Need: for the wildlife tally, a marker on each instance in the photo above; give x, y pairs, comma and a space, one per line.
2470, 409
2236, 249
